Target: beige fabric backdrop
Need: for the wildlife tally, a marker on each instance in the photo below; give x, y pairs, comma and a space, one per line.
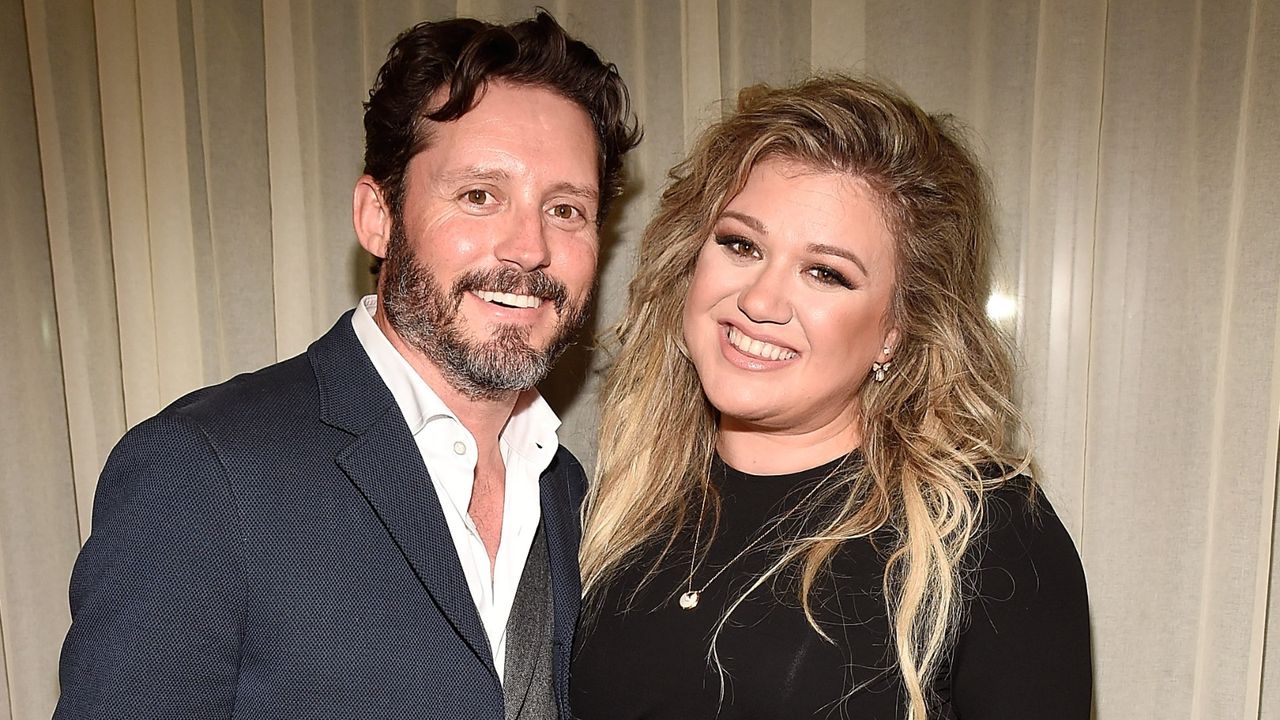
174, 194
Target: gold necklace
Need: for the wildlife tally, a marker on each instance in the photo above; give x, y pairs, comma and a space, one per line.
689, 599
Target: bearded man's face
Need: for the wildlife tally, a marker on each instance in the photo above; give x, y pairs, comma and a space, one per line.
491, 260
501, 357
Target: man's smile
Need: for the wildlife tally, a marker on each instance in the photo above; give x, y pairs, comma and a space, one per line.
507, 299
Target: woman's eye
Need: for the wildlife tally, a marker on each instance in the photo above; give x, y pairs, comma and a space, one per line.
477, 197
827, 276
737, 245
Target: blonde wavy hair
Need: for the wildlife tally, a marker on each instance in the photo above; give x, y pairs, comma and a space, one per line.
931, 435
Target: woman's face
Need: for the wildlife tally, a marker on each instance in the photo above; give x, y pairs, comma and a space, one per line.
789, 302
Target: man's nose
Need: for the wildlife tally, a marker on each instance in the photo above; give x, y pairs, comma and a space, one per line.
524, 242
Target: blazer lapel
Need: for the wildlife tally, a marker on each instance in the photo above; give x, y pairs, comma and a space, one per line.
384, 463
560, 521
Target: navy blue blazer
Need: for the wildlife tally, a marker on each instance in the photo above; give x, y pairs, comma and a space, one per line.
272, 547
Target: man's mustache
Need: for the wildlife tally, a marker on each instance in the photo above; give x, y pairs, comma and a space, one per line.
509, 280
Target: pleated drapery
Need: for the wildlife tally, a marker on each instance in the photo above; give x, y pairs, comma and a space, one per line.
175, 181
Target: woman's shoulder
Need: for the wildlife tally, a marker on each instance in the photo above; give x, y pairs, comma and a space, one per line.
1018, 527
1020, 543
1025, 634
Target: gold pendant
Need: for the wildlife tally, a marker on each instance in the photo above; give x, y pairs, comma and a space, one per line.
689, 600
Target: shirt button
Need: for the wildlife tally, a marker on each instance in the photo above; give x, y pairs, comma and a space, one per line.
460, 448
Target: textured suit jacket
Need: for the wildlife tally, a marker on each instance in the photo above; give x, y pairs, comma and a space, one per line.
272, 547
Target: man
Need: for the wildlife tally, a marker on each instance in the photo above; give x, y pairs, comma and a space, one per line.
386, 526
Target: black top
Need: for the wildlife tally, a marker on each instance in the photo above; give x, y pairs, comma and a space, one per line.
1022, 649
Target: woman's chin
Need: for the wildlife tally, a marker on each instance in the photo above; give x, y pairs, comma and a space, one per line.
753, 416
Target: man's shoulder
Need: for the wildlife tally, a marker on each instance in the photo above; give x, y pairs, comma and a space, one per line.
276, 393
249, 426
566, 466
280, 392
247, 411
277, 406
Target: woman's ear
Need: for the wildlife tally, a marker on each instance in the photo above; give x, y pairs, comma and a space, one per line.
890, 348
371, 217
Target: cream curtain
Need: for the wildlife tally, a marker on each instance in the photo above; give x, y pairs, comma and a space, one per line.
174, 189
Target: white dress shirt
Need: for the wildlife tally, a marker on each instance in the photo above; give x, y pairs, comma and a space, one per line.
528, 443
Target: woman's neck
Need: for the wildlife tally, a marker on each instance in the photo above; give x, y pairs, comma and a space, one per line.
758, 450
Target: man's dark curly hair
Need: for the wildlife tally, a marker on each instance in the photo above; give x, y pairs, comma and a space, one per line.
463, 55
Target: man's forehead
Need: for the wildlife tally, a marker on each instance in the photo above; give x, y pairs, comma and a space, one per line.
513, 130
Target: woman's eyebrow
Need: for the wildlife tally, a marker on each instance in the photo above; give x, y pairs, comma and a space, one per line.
747, 220
821, 249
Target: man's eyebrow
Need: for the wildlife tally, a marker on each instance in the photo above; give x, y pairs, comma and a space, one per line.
821, 249
585, 192
475, 172
749, 221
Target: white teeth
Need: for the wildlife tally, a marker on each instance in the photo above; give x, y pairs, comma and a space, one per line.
759, 348
510, 299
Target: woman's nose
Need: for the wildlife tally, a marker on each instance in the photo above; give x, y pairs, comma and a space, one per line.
765, 299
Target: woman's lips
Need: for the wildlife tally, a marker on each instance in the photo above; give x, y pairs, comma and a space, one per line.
758, 348
753, 353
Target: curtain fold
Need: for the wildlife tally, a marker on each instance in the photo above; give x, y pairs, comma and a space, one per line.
45, 438
63, 82
175, 189
1055, 255
1185, 323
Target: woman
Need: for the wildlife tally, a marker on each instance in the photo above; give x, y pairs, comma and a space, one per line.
809, 501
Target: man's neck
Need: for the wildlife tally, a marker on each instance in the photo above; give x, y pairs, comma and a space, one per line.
484, 418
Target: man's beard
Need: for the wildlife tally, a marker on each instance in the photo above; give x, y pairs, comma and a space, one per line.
426, 317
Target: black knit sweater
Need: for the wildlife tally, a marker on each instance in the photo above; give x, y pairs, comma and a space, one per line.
1022, 650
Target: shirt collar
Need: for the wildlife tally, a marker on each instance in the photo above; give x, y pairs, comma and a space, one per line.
531, 430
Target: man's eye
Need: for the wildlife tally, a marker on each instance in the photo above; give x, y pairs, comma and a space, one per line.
477, 197
737, 245
565, 212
